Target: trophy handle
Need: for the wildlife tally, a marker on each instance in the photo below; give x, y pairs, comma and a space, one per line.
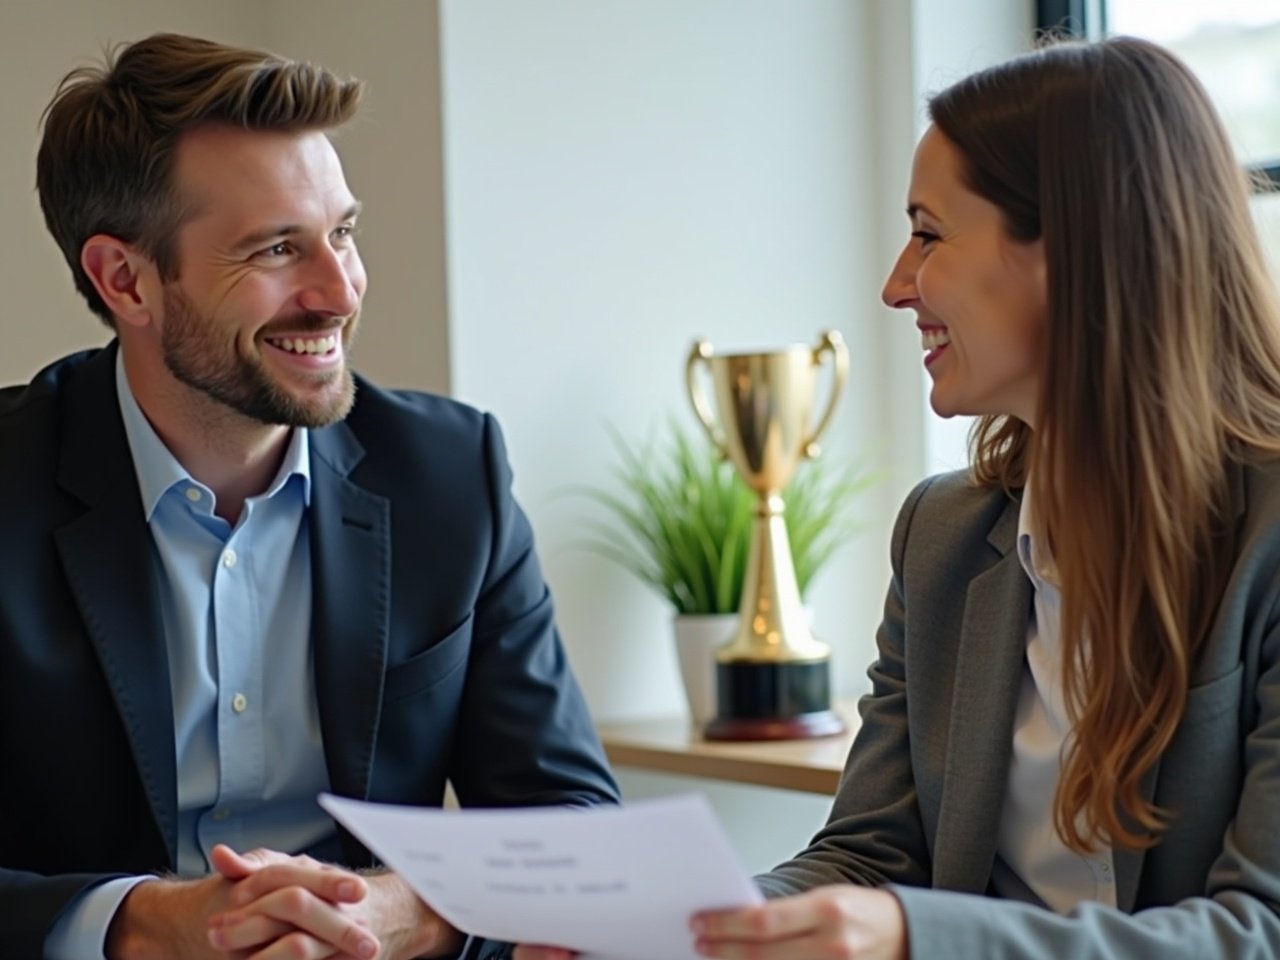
698, 356
832, 343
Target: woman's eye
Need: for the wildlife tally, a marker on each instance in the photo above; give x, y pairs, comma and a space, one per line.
924, 236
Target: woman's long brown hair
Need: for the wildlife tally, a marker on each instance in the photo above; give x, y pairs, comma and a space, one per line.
1161, 369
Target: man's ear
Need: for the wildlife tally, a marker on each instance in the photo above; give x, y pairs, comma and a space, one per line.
124, 278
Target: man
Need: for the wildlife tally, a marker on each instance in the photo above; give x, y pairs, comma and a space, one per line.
237, 574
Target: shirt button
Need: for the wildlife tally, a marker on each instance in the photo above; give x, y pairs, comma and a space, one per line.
228, 558
221, 814
239, 703
193, 494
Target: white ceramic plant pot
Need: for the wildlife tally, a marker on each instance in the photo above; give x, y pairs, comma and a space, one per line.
697, 637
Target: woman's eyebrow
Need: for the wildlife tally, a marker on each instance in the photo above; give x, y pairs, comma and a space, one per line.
915, 209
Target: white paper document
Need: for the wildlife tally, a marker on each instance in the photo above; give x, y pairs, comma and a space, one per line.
610, 882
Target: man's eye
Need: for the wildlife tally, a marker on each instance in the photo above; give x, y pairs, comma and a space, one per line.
924, 236
281, 249
345, 232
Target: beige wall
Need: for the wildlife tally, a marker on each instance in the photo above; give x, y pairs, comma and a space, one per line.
392, 157
40, 40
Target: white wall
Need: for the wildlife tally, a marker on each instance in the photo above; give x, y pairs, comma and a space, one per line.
621, 178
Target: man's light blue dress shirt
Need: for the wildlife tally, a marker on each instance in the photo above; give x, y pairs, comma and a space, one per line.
236, 607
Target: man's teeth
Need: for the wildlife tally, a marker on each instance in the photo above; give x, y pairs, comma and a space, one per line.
932, 339
298, 345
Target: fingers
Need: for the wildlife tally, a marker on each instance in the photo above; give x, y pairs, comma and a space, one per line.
296, 909
252, 931
324, 881
813, 947
526, 951
789, 927
774, 920
237, 866
298, 946
836, 922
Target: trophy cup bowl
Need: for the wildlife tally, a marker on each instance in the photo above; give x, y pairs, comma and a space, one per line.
773, 676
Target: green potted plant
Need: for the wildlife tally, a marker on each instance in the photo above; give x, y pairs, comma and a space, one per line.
680, 519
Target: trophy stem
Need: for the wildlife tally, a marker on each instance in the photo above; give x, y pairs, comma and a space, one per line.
772, 625
772, 678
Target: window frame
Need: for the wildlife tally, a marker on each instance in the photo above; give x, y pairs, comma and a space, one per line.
1078, 18
1088, 19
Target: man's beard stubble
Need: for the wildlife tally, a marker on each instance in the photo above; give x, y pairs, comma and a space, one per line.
197, 356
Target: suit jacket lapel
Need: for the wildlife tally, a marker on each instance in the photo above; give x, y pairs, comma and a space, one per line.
109, 562
1128, 864
351, 607
985, 697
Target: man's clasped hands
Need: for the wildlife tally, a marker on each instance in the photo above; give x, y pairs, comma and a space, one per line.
264, 905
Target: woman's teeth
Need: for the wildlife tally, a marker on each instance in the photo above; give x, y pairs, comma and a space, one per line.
932, 339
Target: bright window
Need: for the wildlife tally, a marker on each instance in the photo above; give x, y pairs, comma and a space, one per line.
1234, 48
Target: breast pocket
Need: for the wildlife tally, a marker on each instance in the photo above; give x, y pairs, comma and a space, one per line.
1200, 779
1211, 700
423, 671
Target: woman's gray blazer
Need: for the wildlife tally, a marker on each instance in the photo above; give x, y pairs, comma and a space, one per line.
919, 804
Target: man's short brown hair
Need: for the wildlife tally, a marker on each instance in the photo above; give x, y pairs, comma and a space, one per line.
106, 159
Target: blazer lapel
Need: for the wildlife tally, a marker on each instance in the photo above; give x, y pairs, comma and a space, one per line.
351, 607
108, 559
1126, 863
985, 697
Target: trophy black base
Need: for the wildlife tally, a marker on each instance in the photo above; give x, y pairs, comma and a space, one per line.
773, 701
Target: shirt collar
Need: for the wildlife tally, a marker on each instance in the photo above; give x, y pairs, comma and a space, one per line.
159, 471
1034, 556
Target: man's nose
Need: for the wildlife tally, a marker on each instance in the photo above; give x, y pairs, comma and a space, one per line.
335, 283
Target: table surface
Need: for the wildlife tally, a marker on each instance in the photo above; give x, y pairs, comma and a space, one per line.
670, 745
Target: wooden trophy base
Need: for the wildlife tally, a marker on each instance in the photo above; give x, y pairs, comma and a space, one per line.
773, 701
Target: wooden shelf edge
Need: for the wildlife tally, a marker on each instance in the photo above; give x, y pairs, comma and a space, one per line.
666, 745
725, 768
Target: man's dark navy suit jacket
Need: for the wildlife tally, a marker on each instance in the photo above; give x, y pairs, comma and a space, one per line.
436, 655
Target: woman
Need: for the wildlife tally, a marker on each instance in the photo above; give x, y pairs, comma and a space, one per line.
1072, 746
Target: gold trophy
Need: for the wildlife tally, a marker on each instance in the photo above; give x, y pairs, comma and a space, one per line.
773, 677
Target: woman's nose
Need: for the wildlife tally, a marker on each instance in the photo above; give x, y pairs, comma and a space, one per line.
900, 286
